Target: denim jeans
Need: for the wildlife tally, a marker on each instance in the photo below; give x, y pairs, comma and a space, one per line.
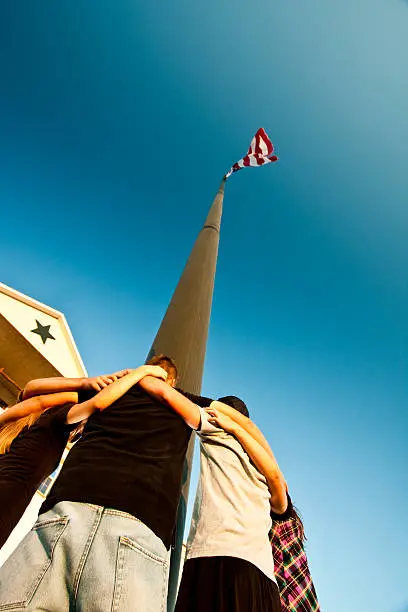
85, 558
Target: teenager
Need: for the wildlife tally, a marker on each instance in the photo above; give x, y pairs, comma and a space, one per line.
33, 435
25, 433
102, 540
296, 588
229, 566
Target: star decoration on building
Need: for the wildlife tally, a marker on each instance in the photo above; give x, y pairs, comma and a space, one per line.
43, 331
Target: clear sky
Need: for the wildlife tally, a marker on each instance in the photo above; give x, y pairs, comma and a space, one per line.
117, 122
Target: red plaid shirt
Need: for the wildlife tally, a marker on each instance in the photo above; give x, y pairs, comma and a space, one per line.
296, 588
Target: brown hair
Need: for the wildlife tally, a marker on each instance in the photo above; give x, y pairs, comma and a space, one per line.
166, 363
299, 523
10, 431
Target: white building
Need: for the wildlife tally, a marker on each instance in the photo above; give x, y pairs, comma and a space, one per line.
35, 342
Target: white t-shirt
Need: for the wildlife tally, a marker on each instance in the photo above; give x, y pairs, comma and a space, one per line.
231, 515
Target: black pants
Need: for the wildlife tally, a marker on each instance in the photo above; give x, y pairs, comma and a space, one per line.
226, 584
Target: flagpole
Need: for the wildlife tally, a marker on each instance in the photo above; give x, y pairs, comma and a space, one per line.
183, 336
184, 330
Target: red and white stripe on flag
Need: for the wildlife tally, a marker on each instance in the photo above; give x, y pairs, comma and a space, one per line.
259, 153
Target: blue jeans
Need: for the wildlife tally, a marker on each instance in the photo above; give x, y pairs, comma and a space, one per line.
85, 558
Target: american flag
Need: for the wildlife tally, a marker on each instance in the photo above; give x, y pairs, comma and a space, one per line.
259, 153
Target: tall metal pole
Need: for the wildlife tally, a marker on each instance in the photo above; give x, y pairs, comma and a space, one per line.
183, 336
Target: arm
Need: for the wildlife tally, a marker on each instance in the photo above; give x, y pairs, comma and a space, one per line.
41, 386
165, 394
37, 404
245, 423
263, 461
113, 392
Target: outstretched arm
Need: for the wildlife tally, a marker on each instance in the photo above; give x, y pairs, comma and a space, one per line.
113, 392
37, 404
161, 391
264, 462
41, 386
245, 423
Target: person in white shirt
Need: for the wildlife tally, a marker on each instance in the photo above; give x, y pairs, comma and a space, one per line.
229, 564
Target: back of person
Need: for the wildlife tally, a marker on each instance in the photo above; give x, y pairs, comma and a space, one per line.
102, 540
231, 515
130, 458
25, 465
296, 588
229, 565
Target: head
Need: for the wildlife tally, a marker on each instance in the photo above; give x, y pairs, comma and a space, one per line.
167, 364
235, 402
11, 430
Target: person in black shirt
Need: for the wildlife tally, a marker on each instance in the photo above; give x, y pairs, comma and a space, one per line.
24, 433
102, 539
33, 435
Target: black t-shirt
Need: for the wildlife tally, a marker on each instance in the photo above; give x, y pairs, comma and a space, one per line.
32, 456
130, 458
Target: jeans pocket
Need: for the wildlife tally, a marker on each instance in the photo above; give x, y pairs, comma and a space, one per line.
22, 573
140, 579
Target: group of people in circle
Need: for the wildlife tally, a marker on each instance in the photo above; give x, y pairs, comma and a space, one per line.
104, 534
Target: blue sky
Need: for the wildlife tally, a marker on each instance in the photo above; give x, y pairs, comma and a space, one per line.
117, 123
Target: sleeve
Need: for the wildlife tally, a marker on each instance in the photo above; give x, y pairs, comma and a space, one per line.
84, 396
206, 428
200, 400
286, 515
58, 417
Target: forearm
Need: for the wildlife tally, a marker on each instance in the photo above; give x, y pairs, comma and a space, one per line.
114, 391
42, 386
38, 403
246, 423
267, 465
106, 397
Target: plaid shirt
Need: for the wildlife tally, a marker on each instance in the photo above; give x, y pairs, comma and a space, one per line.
296, 588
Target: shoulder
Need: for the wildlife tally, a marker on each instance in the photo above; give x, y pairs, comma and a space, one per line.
201, 401
205, 428
54, 416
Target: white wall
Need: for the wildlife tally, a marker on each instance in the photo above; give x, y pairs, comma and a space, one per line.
61, 352
22, 312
